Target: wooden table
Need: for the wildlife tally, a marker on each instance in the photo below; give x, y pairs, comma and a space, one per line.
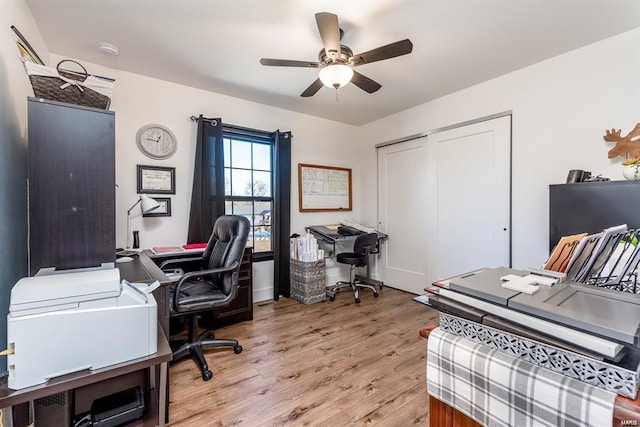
155, 396
443, 415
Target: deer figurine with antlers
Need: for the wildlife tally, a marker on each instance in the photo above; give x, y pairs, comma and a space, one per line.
628, 146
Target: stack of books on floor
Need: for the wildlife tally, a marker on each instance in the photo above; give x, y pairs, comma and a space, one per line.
581, 331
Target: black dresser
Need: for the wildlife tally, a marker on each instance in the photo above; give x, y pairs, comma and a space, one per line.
72, 186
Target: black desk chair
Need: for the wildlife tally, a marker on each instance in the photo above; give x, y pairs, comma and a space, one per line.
362, 247
214, 285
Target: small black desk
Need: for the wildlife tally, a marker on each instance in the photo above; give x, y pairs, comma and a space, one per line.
329, 235
143, 270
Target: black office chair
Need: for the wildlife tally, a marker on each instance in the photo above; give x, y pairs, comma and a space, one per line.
362, 247
213, 285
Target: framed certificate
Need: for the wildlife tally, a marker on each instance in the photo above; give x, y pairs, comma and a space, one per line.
156, 180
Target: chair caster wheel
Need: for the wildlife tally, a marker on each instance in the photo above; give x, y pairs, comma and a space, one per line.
207, 375
357, 300
375, 294
332, 298
237, 349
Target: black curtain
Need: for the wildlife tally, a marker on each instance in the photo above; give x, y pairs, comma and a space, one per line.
281, 213
207, 196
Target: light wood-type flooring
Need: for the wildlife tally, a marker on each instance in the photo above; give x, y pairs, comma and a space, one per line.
333, 363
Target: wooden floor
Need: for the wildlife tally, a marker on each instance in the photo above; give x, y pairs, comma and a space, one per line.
334, 363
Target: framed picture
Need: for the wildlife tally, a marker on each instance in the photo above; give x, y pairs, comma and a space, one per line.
156, 180
163, 210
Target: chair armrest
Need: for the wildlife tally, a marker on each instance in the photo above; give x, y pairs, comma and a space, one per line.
178, 261
176, 291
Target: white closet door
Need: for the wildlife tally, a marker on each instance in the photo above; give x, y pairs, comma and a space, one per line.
468, 198
401, 214
444, 200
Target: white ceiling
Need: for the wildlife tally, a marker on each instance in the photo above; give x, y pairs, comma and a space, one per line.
215, 45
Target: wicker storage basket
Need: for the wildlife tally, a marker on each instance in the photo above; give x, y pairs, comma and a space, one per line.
307, 281
78, 88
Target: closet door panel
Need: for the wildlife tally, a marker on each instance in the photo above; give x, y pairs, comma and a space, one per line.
468, 198
401, 214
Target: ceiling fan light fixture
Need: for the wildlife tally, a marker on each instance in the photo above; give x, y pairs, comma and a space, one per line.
336, 75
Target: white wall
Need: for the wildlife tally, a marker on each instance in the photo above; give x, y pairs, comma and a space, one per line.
14, 89
140, 100
561, 109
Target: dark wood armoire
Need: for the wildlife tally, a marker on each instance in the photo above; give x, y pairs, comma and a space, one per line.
71, 195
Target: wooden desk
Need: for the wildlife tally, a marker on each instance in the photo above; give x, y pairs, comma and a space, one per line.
155, 396
239, 310
441, 414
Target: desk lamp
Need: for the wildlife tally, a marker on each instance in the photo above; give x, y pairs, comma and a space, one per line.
147, 204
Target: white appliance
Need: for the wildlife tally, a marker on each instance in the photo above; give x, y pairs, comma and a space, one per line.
64, 322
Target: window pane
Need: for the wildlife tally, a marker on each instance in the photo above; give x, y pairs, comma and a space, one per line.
248, 174
262, 239
244, 209
227, 181
263, 213
227, 152
262, 184
262, 157
241, 154
241, 182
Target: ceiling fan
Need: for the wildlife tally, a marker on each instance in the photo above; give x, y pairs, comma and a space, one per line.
336, 61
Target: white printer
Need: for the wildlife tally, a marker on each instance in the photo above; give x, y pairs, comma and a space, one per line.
63, 322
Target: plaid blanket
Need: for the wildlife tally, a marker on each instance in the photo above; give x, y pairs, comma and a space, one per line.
498, 390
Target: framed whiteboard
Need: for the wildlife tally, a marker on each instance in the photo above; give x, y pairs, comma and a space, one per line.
323, 188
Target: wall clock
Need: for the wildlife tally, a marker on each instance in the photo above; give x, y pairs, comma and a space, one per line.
156, 141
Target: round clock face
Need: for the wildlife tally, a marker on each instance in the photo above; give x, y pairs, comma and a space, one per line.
156, 141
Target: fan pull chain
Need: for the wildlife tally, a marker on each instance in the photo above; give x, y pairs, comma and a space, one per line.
337, 100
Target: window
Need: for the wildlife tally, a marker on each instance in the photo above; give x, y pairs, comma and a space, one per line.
248, 178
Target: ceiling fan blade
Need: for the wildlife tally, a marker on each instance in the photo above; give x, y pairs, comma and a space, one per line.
313, 89
365, 83
289, 63
384, 52
329, 33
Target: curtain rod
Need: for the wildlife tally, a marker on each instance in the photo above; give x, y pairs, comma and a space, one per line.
195, 119
234, 127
